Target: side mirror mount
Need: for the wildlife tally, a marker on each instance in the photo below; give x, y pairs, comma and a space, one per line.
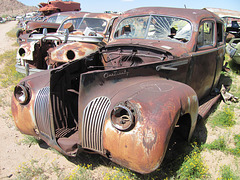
45, 31
66, 34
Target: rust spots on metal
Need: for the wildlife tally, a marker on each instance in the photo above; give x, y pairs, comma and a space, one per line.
149, 138
71, 51
23, 117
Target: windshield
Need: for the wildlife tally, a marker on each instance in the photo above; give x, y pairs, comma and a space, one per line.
95, 24
154, 27
56, 19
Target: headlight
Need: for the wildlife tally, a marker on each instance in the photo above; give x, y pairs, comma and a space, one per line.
122, 117
21, 94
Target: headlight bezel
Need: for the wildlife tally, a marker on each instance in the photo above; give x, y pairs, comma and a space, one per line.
22, 94
123, 116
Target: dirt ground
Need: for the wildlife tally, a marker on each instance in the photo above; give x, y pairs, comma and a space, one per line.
14, 153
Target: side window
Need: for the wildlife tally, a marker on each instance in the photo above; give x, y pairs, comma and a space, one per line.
220, 32
206, 34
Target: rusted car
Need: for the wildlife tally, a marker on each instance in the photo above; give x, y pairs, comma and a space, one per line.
125, 100
233, 49
78, 36
58, 6
51, 23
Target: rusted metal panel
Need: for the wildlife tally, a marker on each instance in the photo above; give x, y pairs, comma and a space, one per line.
23, 117
25, 51
70, 52
58, 6
24, 114
147, 140
159, 103
36, 24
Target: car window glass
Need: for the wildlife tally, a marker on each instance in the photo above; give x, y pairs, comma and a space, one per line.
52, 19
164, 27
205, 34
94, 24
76, 22
60, 19
159, 27
134, 27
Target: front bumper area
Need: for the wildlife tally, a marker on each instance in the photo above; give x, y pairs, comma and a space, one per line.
26, 69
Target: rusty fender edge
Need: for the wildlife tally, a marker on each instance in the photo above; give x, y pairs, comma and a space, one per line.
158, 104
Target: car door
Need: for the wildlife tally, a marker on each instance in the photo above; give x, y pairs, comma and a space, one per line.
203, 64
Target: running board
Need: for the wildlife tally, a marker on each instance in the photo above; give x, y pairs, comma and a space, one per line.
207, 105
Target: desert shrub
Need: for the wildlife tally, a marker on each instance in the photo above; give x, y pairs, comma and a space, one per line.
236, 150
218, 144
9, 76
193, 166
120, 173
224, 118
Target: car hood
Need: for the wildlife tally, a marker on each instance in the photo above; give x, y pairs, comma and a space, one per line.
177, 49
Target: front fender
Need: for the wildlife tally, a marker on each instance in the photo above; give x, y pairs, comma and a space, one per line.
158, 104
24, 114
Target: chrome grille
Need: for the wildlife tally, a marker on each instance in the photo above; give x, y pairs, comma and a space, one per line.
92, 123
41, 108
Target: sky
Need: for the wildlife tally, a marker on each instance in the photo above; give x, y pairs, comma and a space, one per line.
123, 5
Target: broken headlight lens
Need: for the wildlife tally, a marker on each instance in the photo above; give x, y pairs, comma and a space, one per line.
21, 94
122, 117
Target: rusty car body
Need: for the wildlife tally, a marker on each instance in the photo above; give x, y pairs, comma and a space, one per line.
58, 6
51, 23
125, 100
78, 36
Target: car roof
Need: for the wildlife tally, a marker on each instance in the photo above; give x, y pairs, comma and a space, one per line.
106, 16
194, 15
68, 13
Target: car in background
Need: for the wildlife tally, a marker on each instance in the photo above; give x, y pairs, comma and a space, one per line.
58, 6
156, 76
78, 36
36, 26
233, 49
1, 20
